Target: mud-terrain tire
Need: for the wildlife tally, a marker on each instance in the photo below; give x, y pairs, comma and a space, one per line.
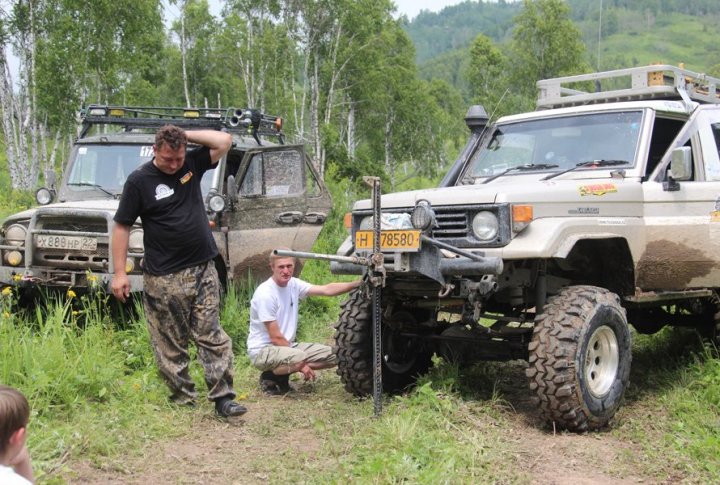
354, 351
579, 358
710, 328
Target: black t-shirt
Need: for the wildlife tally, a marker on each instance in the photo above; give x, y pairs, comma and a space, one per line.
176, 230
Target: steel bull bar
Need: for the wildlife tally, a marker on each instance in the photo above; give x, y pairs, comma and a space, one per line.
467, 263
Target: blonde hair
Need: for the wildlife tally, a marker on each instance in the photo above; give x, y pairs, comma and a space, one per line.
14, 414
274, 257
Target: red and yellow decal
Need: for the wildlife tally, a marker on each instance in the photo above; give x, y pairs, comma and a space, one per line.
185, 178
597, 189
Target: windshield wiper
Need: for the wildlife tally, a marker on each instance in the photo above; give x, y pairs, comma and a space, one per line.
529, 166
86, 184
589, 163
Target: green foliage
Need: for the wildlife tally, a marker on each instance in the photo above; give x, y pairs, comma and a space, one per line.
545, 44
235, 313
457, 25
486, 72
13, 201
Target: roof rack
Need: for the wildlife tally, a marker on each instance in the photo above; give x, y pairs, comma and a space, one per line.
659, 81
235, 120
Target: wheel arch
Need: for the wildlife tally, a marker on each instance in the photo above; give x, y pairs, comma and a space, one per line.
602, 260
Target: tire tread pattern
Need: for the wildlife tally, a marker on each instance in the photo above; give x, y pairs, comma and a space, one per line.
551, 366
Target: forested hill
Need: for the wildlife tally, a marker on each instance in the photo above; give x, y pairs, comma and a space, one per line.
632, 32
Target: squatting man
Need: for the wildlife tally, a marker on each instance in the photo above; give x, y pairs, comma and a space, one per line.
273, 327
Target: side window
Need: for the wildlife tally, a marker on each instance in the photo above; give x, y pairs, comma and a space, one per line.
252, 183
313, 187
712, 160
664, 132
274, 174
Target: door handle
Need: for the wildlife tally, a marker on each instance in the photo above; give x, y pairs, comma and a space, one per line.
291, 217
314, 218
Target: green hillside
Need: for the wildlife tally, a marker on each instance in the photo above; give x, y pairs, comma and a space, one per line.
633, 33
670, 39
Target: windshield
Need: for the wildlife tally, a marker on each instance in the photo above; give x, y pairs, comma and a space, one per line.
554, 144
104, 168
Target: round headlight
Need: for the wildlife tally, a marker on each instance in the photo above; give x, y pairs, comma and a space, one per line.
15, 235
422, 217
366, 223
485, 226
43, 196
136, 241
216, 203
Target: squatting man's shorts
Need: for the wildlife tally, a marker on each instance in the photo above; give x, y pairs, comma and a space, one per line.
273, 356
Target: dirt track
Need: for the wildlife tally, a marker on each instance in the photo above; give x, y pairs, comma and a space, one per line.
282, 439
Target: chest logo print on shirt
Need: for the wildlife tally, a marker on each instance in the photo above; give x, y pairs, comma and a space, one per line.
185, 178
162, 191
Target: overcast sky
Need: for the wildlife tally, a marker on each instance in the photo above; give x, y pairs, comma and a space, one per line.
408, 7
412, 7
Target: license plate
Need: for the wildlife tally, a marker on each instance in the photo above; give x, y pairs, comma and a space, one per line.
73, 243
400, 241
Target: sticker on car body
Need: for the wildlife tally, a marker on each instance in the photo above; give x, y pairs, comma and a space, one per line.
597, 189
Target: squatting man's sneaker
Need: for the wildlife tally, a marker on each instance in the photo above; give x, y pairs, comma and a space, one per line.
274, 385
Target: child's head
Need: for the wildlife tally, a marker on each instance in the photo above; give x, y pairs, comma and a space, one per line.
14, 415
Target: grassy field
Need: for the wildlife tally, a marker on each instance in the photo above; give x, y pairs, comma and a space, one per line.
100, 411
96, 396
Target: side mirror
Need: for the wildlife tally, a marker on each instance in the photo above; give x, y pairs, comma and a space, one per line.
50, 178
680, 168
681, 164
232, 190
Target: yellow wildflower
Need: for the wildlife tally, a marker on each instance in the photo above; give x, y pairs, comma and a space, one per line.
6, 314
17, 277
7, 291
71, 294
75, 313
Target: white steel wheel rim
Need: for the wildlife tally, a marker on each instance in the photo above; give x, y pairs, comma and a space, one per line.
602, 359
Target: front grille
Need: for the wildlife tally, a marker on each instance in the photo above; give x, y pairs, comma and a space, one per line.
89, 226
451, 224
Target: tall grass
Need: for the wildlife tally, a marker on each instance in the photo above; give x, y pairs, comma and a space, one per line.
95, 392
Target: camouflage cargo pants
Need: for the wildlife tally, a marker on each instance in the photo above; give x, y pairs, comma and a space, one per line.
185, 305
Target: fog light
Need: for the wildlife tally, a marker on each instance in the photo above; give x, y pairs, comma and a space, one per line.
423, 217
44, 196
13, 258
129, 265
216, 203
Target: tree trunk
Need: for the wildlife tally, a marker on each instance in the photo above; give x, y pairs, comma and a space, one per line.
183, 54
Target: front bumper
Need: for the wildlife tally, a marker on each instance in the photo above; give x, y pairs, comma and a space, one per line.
37, 278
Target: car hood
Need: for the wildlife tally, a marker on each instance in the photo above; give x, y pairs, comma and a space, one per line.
514, 189
109, 206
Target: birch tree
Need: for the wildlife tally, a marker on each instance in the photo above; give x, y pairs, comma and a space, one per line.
18, 101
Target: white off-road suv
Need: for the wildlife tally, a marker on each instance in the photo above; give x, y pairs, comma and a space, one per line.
552, 232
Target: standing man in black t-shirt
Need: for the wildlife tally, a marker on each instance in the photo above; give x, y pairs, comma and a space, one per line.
181, 289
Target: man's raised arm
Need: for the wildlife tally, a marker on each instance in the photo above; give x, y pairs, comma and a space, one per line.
218, 142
